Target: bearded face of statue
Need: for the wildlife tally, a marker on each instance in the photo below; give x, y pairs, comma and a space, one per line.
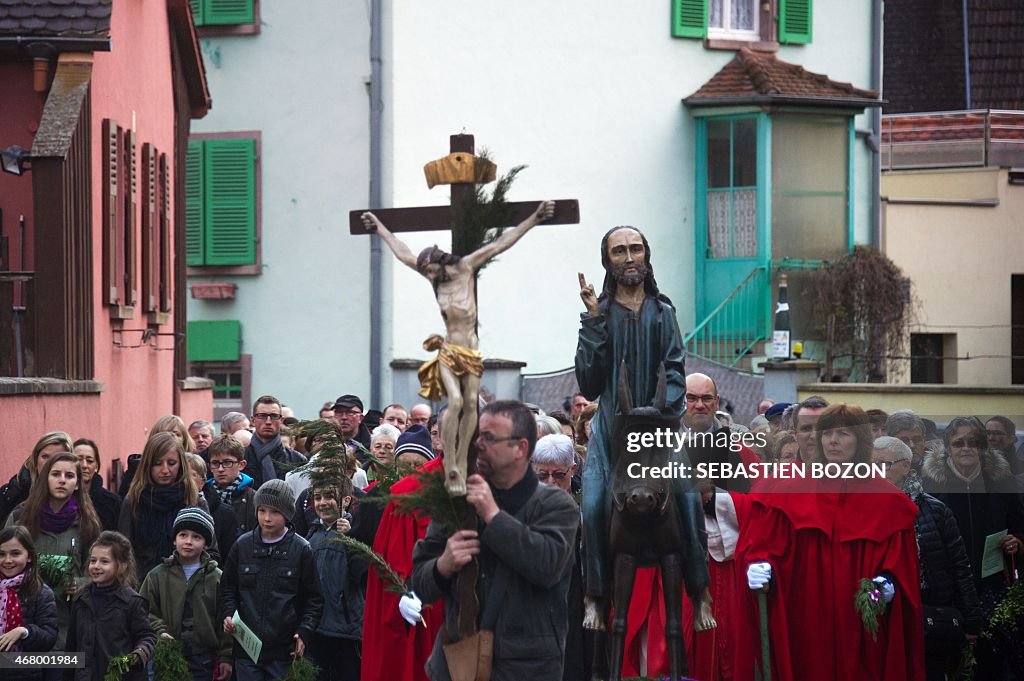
627, 257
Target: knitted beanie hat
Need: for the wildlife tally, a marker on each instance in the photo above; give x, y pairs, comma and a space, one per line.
276, 494
195, 519
415, 440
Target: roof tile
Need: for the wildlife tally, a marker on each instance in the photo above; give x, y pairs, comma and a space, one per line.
67, 18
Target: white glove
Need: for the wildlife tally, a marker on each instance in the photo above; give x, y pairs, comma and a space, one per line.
886, 587
758, 574
410, 606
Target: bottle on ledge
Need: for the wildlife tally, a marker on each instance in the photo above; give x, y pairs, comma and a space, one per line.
781, 332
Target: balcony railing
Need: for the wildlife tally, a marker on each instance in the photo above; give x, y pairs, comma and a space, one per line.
953, 139
17, 335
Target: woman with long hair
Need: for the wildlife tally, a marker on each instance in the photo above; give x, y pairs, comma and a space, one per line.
16, 491
59, 517
106, 503
815, 544
168, 423
162, 486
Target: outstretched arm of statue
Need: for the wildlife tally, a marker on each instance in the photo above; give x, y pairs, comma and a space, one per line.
480, 256
401, 251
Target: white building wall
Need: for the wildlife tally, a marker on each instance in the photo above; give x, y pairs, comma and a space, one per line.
588, 95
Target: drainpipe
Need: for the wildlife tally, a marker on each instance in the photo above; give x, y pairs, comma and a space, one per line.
876, 125
376, 176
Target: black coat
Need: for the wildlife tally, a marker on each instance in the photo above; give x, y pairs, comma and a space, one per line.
990, 504
39, 616
14, 492
120, 627
106, 503
946, 570
276, 590
232, 520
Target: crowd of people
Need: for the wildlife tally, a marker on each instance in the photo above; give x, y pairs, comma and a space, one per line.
211, 533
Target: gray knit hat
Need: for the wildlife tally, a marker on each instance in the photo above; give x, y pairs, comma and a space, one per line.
195, 519
276, 494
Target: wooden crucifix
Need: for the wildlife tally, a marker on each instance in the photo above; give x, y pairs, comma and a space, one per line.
457, 370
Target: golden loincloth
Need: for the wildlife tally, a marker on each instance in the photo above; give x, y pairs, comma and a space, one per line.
460, 361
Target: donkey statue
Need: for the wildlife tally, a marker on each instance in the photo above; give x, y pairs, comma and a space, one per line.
654, 522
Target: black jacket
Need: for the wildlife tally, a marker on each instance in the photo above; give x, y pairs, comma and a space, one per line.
39, 616
276, 590
106, 503
344, 601
120, 627
232, 520
988, 505
14, 492
944, 565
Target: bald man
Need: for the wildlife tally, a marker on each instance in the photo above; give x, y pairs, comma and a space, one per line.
708, 441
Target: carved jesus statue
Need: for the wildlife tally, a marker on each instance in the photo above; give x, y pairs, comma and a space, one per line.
459, 360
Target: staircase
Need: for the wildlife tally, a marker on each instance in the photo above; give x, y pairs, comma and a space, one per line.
734, 334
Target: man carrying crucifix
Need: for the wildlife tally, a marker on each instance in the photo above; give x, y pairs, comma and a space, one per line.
460, 364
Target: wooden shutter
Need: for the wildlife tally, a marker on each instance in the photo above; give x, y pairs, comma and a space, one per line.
194, 199
795, 21
230, 201
112, 213
150, 230
131, 225
689, 18
227, 12
197, 11
164, 211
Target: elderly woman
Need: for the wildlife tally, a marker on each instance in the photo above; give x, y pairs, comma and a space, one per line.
946, 580
984, 496
383, 441
811, 542
554, 460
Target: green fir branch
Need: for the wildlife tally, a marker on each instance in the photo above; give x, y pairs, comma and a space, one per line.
119, 665
387, 573
481, 218
301, 670
870, 604
1008, 614
168, 662
433, 501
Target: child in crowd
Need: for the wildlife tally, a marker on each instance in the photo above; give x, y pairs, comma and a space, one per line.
182, 595
28, 611
229, 488
271, 581
59, 517
108, 617
162, 487
197, 468
335, 647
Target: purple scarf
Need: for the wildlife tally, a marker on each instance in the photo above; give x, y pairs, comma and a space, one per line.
58, 521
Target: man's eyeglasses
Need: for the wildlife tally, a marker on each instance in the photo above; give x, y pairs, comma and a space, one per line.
557, 475
706, 399
968, 442
224, 464
912, 440
488, 439
348, 412
266, 417
892, 463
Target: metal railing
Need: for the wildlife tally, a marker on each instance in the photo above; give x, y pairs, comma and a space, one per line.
737, 325
950, 139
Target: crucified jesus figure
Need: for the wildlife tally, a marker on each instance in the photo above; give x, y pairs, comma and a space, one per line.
460, 362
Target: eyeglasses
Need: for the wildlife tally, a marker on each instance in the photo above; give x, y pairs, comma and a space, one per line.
224, 464
488, 439
706, 399
893, 463
266, 417
969, 442
340, 413
912, 440
557, 475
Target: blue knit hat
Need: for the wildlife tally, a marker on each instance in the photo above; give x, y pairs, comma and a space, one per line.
415, 440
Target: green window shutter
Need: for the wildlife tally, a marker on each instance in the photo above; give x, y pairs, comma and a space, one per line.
194, 204
228, 12
218, 341
197, 11
230, 201
689, 18
795, 21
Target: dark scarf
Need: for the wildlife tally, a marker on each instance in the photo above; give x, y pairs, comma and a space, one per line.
226, 493
263, 451
58, 521
155, 513
515, 497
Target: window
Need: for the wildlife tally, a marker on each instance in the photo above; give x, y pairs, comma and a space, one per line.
933, 358
232, 384
732, 188
783, 21
222, 199
226, 17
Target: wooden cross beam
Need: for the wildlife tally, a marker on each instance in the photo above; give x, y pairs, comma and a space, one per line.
431, 218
